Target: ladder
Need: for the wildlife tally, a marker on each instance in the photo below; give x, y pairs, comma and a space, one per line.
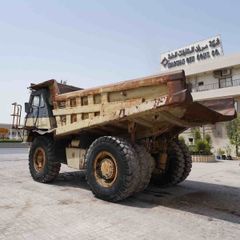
16, 117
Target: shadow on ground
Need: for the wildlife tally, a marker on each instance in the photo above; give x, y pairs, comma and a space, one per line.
211, 200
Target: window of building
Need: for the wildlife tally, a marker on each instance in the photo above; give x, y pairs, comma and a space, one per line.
200, 86
225, 82
190, 140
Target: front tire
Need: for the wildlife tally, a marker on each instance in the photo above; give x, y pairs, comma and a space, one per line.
43, 165
112, 168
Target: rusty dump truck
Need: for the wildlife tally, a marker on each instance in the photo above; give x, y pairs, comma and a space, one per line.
123, 135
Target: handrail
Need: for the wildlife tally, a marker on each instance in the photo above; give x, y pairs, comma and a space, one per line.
216, 85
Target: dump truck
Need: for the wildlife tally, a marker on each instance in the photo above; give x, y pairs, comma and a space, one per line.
122, 135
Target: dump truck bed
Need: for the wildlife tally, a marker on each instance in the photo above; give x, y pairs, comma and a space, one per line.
149, 106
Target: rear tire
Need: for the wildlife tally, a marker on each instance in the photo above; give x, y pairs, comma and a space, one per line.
113, 170
146, 161
174, 169
187, 161
43, 165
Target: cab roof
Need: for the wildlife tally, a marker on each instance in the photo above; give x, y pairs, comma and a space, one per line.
59, 88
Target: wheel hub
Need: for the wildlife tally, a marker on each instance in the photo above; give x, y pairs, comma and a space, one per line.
39, 159
107, 168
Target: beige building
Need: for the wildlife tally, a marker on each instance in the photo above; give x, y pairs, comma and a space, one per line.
215, 79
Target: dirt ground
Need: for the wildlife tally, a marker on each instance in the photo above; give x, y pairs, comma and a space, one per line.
206, 206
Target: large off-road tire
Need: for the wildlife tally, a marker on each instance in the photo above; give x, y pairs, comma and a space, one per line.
43, 164
187, 161
174, 169
113, 169
146, 167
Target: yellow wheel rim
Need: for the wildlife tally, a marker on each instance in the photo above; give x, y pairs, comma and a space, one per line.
39, 159
105, 169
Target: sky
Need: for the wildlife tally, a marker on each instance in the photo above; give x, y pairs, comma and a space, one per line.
91, 43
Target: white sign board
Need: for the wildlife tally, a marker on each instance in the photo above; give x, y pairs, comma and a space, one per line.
192, 54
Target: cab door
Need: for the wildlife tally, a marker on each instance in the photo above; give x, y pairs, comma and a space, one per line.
38, 116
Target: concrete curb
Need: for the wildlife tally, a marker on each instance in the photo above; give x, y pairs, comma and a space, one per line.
14, 145
203, 158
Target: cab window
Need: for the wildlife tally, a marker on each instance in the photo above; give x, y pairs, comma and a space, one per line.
36, 101
42, 101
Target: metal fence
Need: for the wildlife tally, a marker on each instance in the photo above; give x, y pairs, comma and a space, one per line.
217, 85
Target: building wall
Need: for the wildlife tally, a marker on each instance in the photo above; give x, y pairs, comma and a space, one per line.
236, 73
205, 86
206, 78
207, 81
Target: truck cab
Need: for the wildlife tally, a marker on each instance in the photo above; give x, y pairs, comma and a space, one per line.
39, 111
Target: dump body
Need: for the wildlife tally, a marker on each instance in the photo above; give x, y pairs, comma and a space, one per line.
155, 105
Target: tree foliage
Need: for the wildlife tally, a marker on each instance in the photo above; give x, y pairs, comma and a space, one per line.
197, 135
208, 139
233, 132
201, 145
181, 139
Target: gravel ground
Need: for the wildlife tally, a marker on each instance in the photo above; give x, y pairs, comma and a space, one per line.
206, 206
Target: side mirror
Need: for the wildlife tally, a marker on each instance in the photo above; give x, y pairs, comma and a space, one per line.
27, 107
